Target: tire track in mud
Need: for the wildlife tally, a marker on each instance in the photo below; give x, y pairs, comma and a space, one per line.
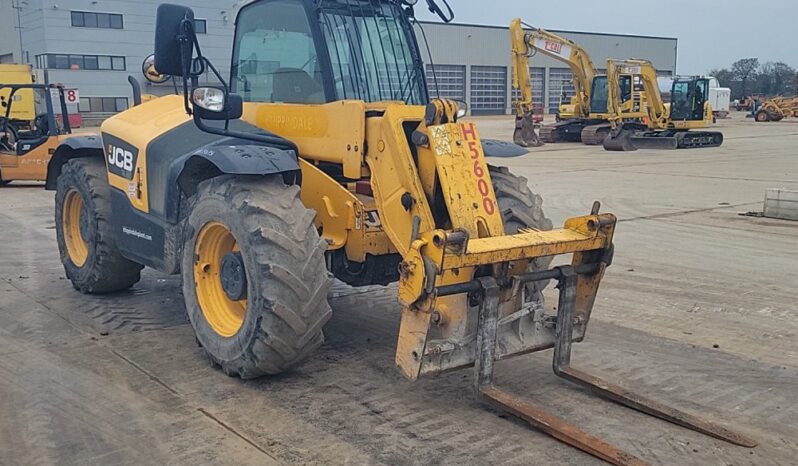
352, 390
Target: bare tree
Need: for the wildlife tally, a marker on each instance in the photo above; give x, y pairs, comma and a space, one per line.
743, 70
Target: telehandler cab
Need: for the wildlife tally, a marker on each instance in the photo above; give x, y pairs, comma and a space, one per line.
324, 157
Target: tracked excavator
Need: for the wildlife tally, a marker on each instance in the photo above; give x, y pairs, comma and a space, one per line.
323, 156
585, 118
678, 124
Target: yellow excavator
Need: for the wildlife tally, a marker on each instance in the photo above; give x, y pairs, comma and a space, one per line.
676, 124
585, 117
309, 163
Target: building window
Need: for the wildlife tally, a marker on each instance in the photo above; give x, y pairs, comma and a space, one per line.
200, 26
102, 104
86, 19
57, 61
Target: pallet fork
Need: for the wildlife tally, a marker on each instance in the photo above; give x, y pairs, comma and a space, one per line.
549, 423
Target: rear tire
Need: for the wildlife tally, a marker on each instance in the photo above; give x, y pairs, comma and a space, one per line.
84, 233
521, 209
274, 318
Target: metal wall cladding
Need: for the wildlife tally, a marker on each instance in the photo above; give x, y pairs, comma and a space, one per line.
490, 45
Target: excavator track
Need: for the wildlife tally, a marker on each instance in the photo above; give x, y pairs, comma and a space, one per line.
677, 139
549, 134
563, 131
594, 135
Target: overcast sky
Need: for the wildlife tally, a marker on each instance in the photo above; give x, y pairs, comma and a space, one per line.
711, 33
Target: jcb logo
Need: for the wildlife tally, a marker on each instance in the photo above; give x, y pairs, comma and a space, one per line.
120, 157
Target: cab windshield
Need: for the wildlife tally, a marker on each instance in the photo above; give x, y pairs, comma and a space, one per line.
302, 51
371, 54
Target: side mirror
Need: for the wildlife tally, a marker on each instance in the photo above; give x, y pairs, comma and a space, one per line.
211, 103
151, 73
170, 40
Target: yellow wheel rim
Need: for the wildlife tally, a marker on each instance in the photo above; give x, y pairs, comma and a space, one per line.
75, 212
224, 315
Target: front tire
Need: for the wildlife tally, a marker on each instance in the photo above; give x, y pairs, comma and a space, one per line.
521, 209
254, 277
84, 233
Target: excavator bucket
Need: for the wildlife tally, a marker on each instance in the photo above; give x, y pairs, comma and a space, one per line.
524, 134
619, 140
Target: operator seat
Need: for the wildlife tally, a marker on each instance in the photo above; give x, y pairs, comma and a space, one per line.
296, 86
29, 140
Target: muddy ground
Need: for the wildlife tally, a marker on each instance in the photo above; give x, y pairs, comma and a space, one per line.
699, 310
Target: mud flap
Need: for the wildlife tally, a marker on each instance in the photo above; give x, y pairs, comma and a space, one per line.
496, 148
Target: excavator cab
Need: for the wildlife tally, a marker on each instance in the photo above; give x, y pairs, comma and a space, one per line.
688, 99
599, 95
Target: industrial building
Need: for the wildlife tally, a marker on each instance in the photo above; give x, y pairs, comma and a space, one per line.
93, 45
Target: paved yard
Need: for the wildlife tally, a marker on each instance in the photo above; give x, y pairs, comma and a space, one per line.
698, 309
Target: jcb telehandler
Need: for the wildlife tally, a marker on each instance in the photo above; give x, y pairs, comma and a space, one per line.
324, 157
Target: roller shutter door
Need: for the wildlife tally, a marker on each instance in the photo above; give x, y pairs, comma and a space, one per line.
451, 81
538, 88
560, 82
488, 90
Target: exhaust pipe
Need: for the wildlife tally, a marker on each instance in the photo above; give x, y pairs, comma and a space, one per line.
134, 83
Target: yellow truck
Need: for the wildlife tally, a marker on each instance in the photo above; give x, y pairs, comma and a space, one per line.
23, 109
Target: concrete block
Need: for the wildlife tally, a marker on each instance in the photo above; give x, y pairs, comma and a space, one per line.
781, 203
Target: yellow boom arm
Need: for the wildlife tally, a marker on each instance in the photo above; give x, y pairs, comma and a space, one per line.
557, 47
655, 109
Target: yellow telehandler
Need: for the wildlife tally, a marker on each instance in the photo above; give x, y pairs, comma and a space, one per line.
678, 124
322, 157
